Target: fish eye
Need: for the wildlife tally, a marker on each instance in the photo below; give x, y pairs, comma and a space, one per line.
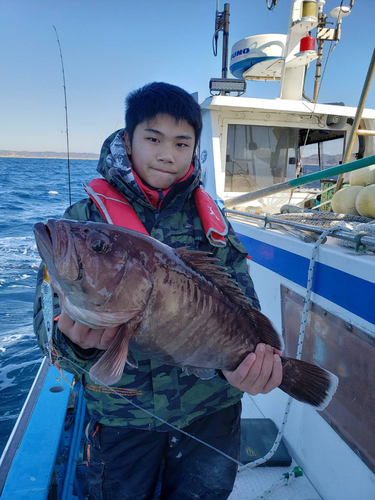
99, 243
100, 246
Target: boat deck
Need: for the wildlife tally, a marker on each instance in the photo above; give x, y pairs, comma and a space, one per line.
22, 478
254, 483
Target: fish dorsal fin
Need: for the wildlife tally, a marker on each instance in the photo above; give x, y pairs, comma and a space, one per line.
205, 264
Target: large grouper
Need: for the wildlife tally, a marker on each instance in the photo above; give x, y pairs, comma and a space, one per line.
174, 305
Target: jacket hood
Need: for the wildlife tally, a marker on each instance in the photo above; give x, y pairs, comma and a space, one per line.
114, 165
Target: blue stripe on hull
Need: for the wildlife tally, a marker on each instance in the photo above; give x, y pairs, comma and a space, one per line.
347, 291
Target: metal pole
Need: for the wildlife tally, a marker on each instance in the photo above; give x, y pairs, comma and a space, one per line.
367, 133
357, 119
300, 181
318, 67
224, 71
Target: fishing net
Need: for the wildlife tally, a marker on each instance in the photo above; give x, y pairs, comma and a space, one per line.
361, 225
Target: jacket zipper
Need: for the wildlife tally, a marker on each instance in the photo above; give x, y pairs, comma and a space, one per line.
161, 198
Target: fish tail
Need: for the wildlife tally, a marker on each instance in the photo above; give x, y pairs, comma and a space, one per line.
308, 383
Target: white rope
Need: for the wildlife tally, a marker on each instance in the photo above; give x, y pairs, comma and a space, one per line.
286, 480
301, 337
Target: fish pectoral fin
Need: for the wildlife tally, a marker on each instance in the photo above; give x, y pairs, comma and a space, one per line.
131, 361
110, 367
202, 373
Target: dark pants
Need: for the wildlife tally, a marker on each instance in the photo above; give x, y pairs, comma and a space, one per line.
125, 463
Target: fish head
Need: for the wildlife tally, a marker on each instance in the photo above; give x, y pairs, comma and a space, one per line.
57, 250
91, 266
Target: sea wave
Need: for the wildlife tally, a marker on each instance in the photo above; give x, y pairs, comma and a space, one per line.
7, 381
37, 198
7, 416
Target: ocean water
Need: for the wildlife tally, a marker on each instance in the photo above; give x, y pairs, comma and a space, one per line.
31, 190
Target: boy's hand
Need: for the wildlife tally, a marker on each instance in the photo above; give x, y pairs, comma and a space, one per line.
259, 372
84, 336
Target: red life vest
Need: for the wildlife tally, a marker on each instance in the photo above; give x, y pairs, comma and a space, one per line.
115, 209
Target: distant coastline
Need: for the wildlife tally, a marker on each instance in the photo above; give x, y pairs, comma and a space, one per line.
330, 160
51, 155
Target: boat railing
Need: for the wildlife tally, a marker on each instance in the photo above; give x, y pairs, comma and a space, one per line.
300, 181
299, 229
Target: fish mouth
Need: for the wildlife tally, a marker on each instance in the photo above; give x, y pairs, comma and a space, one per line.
56, 248
43, 239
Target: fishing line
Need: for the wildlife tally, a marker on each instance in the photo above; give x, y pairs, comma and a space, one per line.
151, 414
287, 478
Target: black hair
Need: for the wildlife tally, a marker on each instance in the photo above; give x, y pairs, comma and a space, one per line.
161, 98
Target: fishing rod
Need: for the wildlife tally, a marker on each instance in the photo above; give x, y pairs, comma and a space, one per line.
66, 113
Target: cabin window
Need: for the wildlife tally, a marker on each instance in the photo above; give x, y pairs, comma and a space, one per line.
326, 152
258, 157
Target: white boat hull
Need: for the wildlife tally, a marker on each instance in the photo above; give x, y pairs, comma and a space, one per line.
279, 260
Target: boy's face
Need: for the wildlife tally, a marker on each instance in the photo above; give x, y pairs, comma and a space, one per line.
162, 150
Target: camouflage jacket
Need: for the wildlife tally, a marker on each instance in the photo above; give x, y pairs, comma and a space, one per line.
163, 390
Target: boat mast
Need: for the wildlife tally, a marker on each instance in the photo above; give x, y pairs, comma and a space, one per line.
318, 67
300, 23
225, 21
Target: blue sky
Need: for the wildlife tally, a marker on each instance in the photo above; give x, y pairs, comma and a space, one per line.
112, 47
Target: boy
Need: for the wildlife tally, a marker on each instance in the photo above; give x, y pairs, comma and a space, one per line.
152, 164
